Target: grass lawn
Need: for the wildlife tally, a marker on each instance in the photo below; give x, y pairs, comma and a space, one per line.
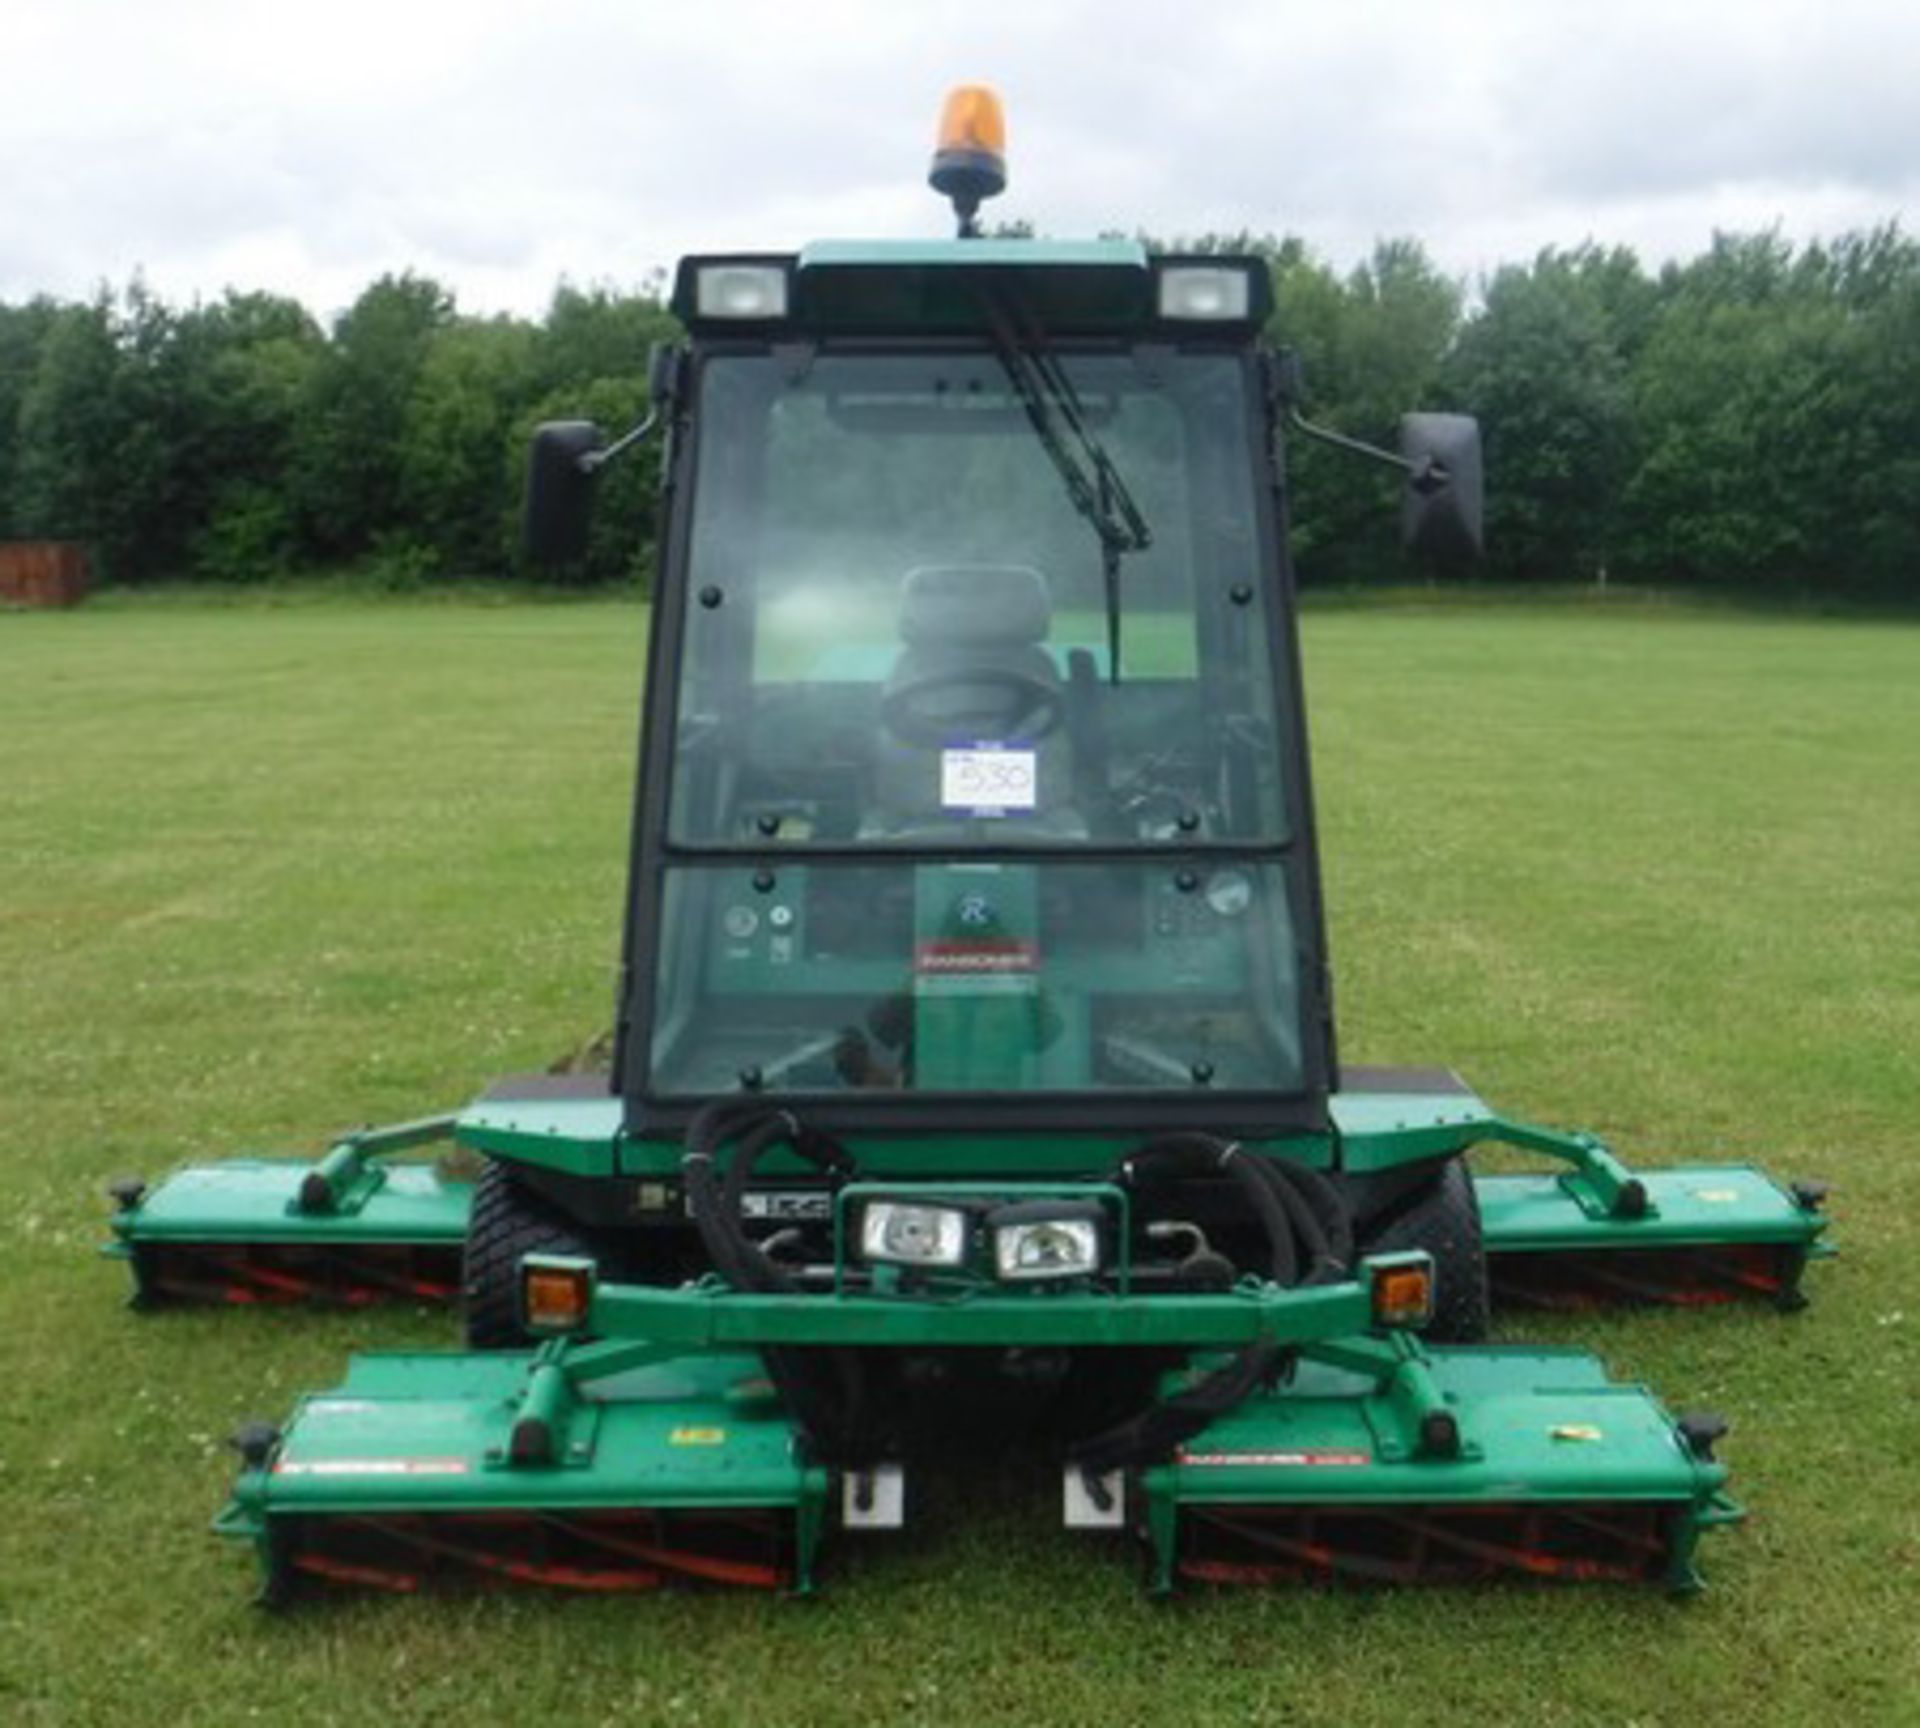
264, 874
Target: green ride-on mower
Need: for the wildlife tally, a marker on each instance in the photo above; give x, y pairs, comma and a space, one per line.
974, 1027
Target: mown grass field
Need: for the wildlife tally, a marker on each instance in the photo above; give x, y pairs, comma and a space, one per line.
265, 873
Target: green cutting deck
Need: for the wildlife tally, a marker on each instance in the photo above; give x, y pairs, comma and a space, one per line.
689, 1473
1702, 1234
238, 1233
682, 1473
1562, 1474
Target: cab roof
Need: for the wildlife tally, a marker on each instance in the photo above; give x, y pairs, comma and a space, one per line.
932, 286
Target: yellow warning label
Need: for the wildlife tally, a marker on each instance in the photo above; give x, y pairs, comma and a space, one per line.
697, 1437
1576, 1431
1717, 1196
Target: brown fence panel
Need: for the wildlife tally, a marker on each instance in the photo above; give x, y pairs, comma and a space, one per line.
42, 573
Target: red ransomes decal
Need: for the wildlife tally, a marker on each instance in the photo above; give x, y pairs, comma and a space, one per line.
987, 956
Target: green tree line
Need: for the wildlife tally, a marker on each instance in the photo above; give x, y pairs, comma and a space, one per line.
238, 440
1749, 418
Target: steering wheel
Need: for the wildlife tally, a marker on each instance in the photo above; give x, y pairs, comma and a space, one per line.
1030, 708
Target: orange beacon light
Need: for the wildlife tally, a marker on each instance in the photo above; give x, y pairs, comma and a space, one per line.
970, 155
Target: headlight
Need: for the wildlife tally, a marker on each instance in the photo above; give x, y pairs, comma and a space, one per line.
741, 291
1045, 1239
911, 1235
1204, 291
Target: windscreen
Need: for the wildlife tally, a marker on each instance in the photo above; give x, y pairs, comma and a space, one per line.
905, 617
977, 780
970, 977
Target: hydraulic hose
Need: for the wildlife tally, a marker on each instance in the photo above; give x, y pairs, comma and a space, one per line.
827, 1389
1309, 1241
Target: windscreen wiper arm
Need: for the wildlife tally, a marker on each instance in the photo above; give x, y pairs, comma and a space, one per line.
1093, 483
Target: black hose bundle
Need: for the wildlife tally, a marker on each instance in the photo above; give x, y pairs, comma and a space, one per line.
1310, 1241
825, 1389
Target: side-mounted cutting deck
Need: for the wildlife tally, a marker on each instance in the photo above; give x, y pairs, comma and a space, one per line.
355, 1228
359, 1226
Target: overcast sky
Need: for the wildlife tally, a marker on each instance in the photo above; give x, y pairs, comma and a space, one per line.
501, 145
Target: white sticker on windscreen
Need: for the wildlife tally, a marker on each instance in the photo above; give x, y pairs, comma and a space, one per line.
988, 779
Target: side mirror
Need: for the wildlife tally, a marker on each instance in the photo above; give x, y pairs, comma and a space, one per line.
1441, 509
560, 490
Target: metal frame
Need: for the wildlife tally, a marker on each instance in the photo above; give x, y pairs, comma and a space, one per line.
630, 1326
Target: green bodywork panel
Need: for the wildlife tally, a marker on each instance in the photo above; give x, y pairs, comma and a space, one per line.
995, 1030
1546, 1427
576, 1136
936, 285
1378, 1130
1687, 1205
1010, 1157
247, 1200
1371, 1131
418, 1433
1121, 255
710, 1317
584, 1138
916, 286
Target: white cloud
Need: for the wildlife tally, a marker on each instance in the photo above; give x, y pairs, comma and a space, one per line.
307, 147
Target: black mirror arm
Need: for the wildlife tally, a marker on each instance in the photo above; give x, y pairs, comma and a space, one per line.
1426, 476
592, 461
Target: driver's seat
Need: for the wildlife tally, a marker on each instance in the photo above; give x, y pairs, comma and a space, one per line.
973, 672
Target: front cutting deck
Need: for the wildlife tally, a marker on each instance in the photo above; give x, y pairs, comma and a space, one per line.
688, 1473
400, 1476
1563, 1475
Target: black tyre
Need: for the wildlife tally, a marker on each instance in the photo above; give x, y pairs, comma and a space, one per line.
508, 1221
1443, 1217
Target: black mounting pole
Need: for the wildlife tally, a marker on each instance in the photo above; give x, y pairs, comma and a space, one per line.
1425, 476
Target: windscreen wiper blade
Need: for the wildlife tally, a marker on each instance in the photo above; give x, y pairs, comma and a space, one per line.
1093, 483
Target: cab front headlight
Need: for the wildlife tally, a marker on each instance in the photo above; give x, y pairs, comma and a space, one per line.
904, 1233
1045, 1239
